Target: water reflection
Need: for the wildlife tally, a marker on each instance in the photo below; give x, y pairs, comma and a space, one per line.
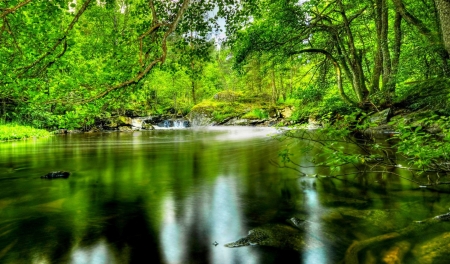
165, 196
98, 253
314, 210
173, 234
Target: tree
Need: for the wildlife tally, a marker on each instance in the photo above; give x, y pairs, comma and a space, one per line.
443, 9
89, 52
345, 32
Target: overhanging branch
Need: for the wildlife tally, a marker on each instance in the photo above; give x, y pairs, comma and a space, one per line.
13, 9
60, 40
337, 69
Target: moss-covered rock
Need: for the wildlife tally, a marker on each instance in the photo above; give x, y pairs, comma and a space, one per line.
434, 250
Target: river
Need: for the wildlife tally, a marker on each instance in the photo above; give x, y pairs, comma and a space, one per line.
165, 196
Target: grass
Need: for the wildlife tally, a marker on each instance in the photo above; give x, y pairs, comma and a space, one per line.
17, 132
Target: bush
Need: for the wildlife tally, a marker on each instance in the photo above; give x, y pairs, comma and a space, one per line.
256, 114
432, 94
15, 132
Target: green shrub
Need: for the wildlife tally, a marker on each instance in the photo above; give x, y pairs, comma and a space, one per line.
256, 114
15, 132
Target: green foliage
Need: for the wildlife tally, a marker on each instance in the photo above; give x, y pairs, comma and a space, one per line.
309, 95
50, 79
432, 94
422, 149
424, 155
256, 114
331, 105
15, 132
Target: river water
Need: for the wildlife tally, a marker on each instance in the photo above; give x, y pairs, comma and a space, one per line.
166, 196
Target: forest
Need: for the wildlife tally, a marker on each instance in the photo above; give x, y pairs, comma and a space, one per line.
368, 184
67, 64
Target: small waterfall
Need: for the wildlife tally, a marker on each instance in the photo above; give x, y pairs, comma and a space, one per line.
177, 123
138, 122
166, 123
180, 123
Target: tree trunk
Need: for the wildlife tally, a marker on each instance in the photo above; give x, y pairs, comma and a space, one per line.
385, 47
443, 9
194, 100
282, 87
356, 70
274, 87
398, 35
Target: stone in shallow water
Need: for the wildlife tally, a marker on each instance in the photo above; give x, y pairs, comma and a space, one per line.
396, 253
56, 174
277, 235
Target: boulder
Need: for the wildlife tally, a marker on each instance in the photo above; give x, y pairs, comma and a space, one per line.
381, 118
147, 126
287, 112
117, 121
200, 119
125, 129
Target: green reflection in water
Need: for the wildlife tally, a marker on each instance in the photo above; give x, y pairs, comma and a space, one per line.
166, 196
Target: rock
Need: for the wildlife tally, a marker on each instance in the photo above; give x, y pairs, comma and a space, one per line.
56, 174
313, 123
117, 121
287, 112
396, 253
434, 250
200, 119
381, 118
147, 126
297, 235
94, 129
74, 131
237, 122
277, 235
60, 131
125, 129
124, 121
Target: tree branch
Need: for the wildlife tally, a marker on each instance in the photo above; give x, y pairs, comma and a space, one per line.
60, 40
13, 9
423, 29
161, 59
337, 69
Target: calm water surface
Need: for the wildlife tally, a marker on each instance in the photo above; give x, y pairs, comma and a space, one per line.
165, 196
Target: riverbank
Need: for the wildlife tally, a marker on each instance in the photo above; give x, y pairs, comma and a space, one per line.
18, 132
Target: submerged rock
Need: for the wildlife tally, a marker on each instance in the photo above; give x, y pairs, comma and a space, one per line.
56, 174
433, 250
277, 235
